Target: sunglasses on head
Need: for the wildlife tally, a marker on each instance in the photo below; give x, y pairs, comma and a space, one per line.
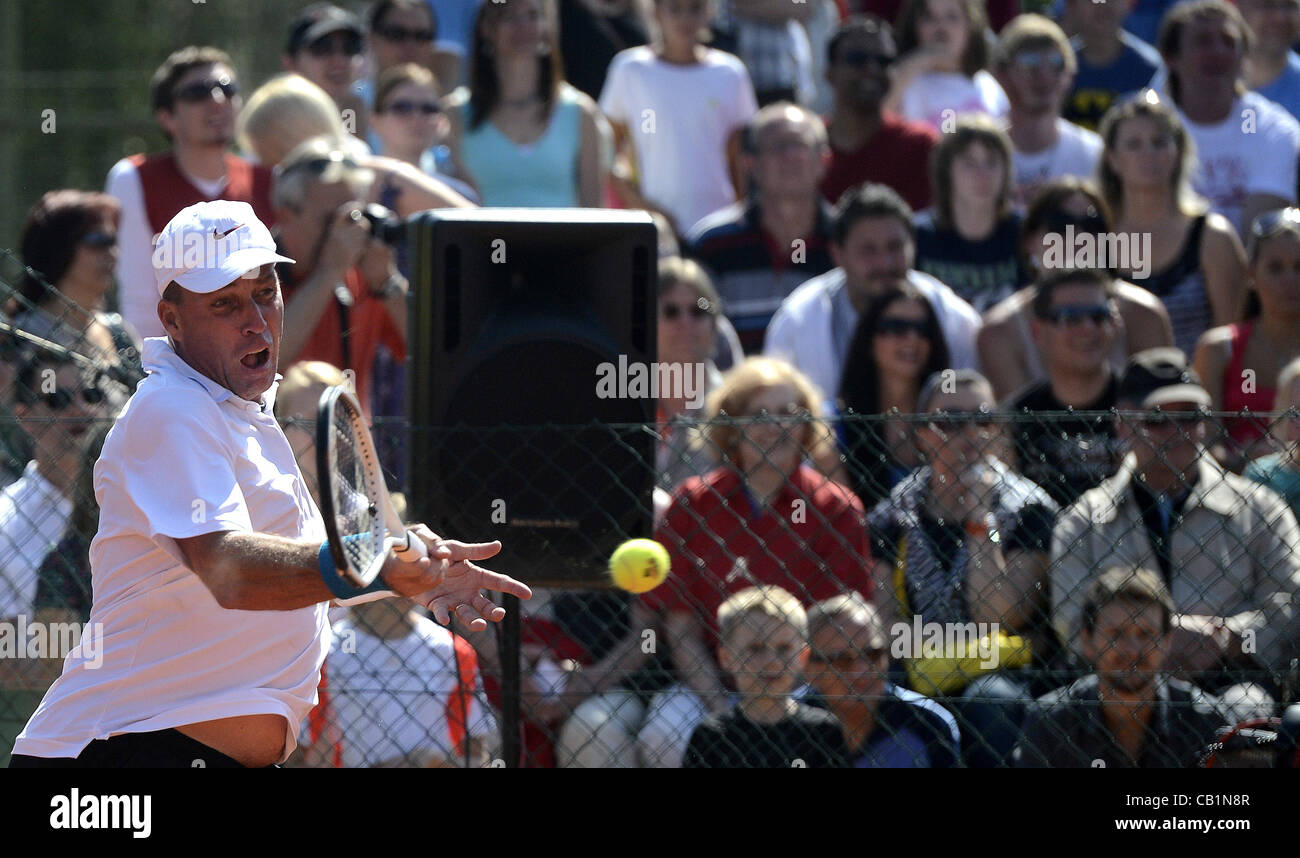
406, 107
203, 90
99, 239
860, 59
903, 327
319, 165
348, 44
1032, 60
1275, 221
1074, 314
696, 311
394, 33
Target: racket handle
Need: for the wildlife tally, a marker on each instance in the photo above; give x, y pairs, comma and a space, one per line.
413, 550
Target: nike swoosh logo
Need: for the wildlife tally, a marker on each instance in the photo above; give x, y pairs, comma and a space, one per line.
221, 235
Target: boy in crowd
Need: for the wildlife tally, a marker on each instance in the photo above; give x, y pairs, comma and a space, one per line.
764, 647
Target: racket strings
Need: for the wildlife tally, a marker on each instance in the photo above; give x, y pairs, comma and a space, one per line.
357, 513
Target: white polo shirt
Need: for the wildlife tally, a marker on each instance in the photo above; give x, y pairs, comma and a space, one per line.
395, 699
186, 457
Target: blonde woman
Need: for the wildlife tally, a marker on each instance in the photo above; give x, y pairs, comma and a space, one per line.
763, 517
1196, 264
289, 110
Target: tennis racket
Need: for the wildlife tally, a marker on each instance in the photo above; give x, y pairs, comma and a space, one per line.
360, 522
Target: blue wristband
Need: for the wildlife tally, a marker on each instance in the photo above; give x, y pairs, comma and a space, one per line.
337, 585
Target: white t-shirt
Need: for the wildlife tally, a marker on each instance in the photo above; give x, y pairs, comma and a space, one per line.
802, 331
186, 457
928, 98
33, 518
137, 291
395, 699
679, 119
1252, 151
1075, 153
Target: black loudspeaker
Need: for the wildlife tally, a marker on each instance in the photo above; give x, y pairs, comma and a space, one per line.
516, 313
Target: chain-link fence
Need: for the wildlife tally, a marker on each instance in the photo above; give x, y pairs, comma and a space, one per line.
961, 587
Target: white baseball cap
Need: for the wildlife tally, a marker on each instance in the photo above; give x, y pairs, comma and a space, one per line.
208, 246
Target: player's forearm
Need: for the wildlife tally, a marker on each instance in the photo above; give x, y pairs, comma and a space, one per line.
257, 571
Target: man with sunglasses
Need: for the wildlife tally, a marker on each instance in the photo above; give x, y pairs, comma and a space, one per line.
885, 727
1075, 322
1035, 65
867, 143
325, 46
195, 96
1227, 548
57, 403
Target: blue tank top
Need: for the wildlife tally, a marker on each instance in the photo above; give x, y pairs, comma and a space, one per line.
543, 173
1181, 287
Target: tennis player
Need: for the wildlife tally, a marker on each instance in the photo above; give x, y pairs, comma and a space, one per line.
206, 567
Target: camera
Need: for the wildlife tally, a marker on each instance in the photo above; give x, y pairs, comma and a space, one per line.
384, 225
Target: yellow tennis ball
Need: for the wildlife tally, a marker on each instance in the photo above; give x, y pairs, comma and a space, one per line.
639, 565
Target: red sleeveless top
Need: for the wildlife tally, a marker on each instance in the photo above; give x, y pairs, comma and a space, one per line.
1260, 399
167, 191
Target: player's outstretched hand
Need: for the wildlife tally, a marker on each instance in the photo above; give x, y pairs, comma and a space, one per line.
463, 583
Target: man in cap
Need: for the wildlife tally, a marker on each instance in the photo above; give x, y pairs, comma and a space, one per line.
209, 624
1228, 552
325, 46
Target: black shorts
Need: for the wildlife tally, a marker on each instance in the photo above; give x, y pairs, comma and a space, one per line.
161, 749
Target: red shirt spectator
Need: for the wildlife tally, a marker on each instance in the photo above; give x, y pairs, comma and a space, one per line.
369, 325
719, 545
898, 155
868, 143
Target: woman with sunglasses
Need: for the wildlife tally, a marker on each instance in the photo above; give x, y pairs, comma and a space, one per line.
965, 539
289, 110
897, 345
69, 245
969, 239
1007, 351
1197, 266
410, 125
1237, 361
519, 134
689, 309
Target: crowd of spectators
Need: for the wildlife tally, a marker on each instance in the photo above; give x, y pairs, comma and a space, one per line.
905, 240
